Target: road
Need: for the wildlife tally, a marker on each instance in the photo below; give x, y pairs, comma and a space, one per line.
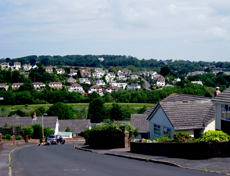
68, 161
147, 84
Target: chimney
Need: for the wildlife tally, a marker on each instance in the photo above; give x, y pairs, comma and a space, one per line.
34, 115
217, 92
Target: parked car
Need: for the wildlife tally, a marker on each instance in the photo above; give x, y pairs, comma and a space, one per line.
53, 139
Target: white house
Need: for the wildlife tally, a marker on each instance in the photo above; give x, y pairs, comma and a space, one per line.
77, 88
38, 85
178, 112
197, 82
60, 71
73, 72
27, 67
84, 80
110, 77
121, 76
100, 82
133, 77
98, 74
4, 86
95, 88
134, 86
222, 110
17, 66
110, 89
121, 85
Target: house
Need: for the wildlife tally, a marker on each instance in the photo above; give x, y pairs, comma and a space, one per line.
176, 80
100, 82
16, 86
152, 73
121, 76
222, 110
73, 72
71, 80
95, 88
101, 59
84, 80
98, 69
134, 86
139, 122
98, 74
4, 86
76, 88
55, 85
76, 126
110, 89
49, 69
145, 73
133, 77
26, 67
60, 71
197, 82
85, 72
16, 120
121, 85
178, 112
17, 66
38, 85
110, 77
126, 71
5, 65
160, 81
195, 73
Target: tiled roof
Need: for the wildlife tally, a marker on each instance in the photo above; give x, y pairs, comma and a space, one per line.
95, 87
139, 121
39, 83
75, 85
224, 97
76, 126
14, 84
55, 83
187, 111
15, 120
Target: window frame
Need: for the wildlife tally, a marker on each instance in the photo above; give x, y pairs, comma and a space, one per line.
157, 127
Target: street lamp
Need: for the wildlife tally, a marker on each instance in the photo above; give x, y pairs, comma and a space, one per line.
43, 125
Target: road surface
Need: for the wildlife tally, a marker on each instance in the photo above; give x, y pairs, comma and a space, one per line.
147, 84
67, 161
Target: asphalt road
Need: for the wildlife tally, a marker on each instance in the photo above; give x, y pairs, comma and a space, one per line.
147, 84
66, 160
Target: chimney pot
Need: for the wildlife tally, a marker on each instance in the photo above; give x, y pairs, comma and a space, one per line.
217, 92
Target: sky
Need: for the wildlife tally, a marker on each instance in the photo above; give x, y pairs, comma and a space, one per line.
197, 30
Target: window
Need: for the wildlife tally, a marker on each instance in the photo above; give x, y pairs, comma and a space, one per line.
225, 112
157, 130
167, 132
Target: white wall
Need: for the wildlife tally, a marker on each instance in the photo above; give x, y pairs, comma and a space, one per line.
159, 118
210, 126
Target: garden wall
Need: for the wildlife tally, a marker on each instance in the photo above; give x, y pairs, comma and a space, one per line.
75, 139
183, 150
1, 143
13, 142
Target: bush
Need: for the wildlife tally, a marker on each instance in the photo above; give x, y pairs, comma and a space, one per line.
18, 138
163, 139
26, 131
213, 136
48, 131
7, 136
37, 131
179, 135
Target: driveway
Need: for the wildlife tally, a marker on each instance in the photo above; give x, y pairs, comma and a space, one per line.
147, 84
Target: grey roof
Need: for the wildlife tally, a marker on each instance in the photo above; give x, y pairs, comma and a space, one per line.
16, 120
149, 111
139, 121
187, 111
224, 97
76, 126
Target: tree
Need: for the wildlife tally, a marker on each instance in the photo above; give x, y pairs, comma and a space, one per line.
165, 70
79, 74
26, 131
61, 110
37, 134
116, 112
112, 69
97, 110
23, 97
48, 131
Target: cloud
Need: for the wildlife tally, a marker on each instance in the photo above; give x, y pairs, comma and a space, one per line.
217, 32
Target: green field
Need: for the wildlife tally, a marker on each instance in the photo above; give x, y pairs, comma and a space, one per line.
6, 109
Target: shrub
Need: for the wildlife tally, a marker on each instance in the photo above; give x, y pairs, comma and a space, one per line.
37, 131
7, 136
18, 138
48, 131
26, 131
213, 136
179, 135
163, 139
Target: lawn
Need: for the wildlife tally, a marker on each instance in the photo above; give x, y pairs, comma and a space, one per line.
6, 109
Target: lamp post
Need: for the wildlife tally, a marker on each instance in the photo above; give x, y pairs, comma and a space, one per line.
43, 129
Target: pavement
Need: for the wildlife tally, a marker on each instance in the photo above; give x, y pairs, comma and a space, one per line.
217, 165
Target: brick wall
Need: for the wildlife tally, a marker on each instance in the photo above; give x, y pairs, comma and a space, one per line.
75, 139
33, 141
1, 143
13, 142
